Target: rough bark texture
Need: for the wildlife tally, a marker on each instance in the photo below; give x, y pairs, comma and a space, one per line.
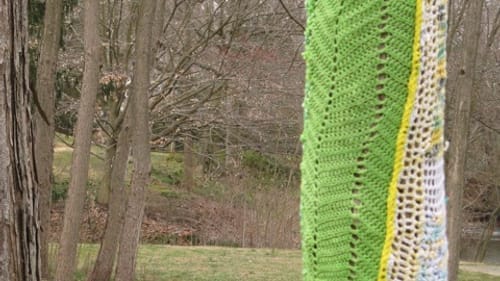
44, 133
73, 211
19, 224
114, 224
125, 268
458, 135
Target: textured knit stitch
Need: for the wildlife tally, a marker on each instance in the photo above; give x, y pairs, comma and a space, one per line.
372, 204
410, 217
433, 255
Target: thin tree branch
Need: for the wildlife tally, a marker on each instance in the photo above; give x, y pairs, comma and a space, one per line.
493, 33
487, 126
72, 147
291, 16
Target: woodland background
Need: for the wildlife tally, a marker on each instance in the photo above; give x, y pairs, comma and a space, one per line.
208, 94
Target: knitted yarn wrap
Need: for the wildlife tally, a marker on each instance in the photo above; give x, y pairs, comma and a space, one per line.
372, 192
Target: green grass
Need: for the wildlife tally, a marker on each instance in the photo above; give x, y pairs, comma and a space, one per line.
63, 155
166, 173
166, 167
62, 167
176, 263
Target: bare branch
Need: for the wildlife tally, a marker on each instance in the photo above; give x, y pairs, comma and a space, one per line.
291, 16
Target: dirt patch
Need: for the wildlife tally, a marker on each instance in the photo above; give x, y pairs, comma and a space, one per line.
62, 148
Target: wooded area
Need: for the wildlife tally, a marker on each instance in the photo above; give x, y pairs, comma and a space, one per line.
178, 122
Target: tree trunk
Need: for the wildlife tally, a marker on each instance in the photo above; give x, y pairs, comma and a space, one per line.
44, 133
188, 179
104, 191
19, 217
103, 267
458, 134
228, 107
105, 186
115, 116
73, 211
495, 160
129, 240
188, 159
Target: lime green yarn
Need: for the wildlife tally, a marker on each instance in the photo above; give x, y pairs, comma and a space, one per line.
358, 56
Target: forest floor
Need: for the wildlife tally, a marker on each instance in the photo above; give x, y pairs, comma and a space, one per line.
177, 263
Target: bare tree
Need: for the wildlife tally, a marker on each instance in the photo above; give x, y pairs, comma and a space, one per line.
129, 241
112, 190
119, 23
19, 224
44, 118
458, 134
103, 266
73, 211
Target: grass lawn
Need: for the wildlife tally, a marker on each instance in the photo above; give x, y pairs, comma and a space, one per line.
176, 263
167, 169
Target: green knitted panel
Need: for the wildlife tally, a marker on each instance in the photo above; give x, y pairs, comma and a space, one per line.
358, 56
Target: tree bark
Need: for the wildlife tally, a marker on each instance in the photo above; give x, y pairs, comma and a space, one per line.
19, 217
188, 178
44, 133
129, 240
228, 107
103, 267
458, 134
103, 194
104, 191
73, 211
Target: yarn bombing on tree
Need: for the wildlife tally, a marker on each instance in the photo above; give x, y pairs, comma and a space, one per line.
372, 193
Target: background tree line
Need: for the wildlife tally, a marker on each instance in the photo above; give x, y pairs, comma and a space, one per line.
219, 84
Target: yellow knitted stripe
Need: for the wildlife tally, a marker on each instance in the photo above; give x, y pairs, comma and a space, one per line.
400, 145
436, 137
